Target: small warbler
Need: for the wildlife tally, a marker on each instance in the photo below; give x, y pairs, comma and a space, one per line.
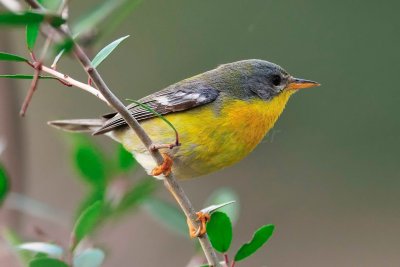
221, 115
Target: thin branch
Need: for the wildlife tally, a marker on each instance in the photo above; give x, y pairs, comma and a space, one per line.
226, 258
71, 81
46, 47
31, 90
169, 181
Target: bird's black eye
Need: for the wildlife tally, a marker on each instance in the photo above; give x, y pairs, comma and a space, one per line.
276, 80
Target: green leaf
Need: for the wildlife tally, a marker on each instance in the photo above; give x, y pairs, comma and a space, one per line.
30, 17
87, 222
106, 51
90, 162
47, 262
92, 257
213, 208
11, 57
40, 247
260, 237
32, 32
136, 195
58, 56
4, 183
25, 76
167, 214
222, 196
126, 161
219, 230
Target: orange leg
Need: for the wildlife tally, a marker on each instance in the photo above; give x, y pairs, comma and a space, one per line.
165, 167
203, 218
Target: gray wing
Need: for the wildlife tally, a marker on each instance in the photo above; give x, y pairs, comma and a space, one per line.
172, 99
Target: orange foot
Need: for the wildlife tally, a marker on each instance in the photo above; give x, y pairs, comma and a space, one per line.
164, 168
203, 218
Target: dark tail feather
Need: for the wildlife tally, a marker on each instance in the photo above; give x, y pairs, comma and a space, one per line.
78, 125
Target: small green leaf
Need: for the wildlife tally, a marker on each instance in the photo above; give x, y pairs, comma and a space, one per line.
25, 76
40, 247
21, 18
167, 214
126, 161
213, 208
87, 222
260, 237
32, 32
57, 57
136, 195
92, 257
219, 230
11, 57
47, 262
4, 183
30, 17
90, 162
222, 196
106, 51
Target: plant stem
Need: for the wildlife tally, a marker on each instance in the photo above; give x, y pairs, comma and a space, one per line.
226, 259
71, 81
31, 90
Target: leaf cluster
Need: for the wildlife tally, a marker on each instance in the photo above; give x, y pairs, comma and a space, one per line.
220, 232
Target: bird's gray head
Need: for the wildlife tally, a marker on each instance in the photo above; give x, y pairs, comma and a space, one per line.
258, 78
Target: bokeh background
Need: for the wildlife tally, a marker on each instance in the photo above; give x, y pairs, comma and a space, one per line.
327, 175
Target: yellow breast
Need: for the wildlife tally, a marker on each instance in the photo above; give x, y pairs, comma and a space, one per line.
211, 140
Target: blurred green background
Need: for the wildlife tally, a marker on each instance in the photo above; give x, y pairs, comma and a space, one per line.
327, 175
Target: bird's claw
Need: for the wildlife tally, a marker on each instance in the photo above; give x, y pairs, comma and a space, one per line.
165, 167
203, 218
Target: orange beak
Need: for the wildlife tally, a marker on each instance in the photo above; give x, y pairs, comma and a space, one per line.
296, 83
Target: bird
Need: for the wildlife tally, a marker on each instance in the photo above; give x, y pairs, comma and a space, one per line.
220, 116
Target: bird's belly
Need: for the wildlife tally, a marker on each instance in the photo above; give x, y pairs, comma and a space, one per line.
210, 140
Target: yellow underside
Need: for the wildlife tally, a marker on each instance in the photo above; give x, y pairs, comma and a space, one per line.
211, 141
